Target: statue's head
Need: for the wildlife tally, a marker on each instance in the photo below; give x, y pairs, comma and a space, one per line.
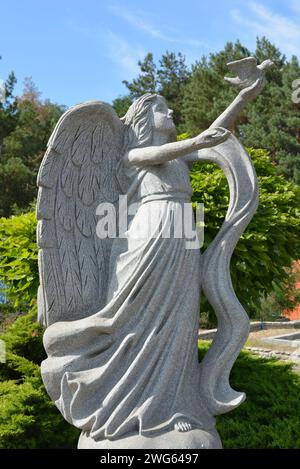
148, 114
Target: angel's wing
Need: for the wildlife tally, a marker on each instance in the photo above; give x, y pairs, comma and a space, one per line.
77, 173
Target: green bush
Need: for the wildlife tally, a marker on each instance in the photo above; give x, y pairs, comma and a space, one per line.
18, 258
28, 419
269, 418
260, 262
23, 338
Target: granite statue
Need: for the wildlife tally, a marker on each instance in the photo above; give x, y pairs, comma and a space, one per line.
122, 313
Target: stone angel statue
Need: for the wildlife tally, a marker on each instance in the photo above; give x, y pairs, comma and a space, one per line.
122, 313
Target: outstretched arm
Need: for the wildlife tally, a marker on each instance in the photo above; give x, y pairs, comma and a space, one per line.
228, 118
170, 151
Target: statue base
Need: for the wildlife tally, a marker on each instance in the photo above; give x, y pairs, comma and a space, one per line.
173, 439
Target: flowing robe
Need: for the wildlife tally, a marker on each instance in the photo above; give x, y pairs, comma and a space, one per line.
132, 367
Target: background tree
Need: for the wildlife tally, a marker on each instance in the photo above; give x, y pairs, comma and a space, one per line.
168, 79
199, 95
8, 108
121, 105
272, 121
27, 124
146, 82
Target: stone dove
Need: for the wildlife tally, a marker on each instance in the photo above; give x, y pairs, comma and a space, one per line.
247, 71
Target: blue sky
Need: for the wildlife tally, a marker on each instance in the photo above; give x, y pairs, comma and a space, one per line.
80, 50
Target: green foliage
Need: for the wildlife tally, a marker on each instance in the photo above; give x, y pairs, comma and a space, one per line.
8, 108
17, 180
272, 239
121, 105
146, 82
26, 123
23, 339
200, 95
28, 419
18, 258
269, 418
281, 298
168, 79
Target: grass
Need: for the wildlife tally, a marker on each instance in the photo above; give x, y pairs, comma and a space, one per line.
270, 416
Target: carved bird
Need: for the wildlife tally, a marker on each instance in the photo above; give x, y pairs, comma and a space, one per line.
247, 71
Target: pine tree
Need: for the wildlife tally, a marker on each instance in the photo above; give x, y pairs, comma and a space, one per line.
146, 82
172, 76
168, 79
26, 123
271, 122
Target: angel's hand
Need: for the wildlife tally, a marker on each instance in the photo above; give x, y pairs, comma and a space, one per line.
251, 92
212, 137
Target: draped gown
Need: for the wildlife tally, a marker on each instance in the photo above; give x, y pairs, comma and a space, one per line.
132, 367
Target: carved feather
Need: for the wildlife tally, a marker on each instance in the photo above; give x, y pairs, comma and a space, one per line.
69, 177
51, 281
46, 234
89, 182
85, 218
65, 210
45, 203
89, 271
78, 172
71, 279
49, 169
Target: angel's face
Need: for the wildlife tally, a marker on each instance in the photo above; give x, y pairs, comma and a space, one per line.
162, 116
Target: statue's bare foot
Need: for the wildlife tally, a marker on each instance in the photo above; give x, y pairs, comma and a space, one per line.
183, 426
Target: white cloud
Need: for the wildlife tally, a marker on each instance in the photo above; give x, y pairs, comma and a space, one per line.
112, 46
138, 22
123, 53
262, 21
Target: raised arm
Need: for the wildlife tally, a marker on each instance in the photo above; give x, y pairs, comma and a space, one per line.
251, 79
158, 154
228, 118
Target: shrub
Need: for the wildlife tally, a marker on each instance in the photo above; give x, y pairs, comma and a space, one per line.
28, 418
272, 239
18, 259
269, 418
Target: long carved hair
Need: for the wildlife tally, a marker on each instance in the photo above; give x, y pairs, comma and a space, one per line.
138, 125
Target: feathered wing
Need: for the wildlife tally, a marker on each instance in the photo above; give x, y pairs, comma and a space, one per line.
77, 173
233, 322
243, 68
